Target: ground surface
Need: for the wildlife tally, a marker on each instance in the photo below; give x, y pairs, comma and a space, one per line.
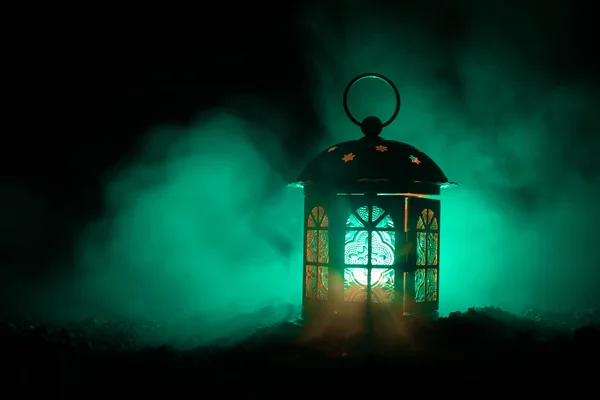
483, 351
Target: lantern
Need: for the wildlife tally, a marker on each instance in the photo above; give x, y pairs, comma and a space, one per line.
371, 226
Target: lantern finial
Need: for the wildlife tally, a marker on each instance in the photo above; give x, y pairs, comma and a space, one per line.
372, 126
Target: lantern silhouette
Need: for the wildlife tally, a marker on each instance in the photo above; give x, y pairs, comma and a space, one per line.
371, 226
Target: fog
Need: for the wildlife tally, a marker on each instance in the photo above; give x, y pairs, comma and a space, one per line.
200, 224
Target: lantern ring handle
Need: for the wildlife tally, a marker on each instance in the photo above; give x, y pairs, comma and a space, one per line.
376, 76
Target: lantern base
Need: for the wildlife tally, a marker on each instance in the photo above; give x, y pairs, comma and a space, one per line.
360, 319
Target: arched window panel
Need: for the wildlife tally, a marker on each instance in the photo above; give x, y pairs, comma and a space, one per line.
383, 242
427, 220
317, 238
427, 255
369, 231
377, 217
318, 218
316, 282
356, 285
317, 253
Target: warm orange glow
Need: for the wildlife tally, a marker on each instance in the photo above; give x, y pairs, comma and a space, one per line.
331, 149
381, 148
404, 294
405, 194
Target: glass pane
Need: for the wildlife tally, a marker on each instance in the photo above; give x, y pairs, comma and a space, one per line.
354, 222
427, 219
323, 283
323, 246
420, 224
363, 213
317, 212
420, 285
317, 282
386, 222
377, 212
421, 247
382, 285
428, 216
311, 221
434, 224
426, 284
432, 248
324, 221
310, 277
431, 283
355, 284
317, 217
356, 249
311, 245
382, 247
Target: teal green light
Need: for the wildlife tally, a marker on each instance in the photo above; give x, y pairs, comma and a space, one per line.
200, 224
364, 238
512, 232
198, 228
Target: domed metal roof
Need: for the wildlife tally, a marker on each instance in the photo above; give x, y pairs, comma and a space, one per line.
372, 164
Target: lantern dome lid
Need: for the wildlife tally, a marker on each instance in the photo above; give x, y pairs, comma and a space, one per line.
373, 164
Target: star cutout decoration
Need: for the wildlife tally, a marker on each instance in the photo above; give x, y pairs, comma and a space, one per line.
348, 157
381, 148
331, 149
415, 160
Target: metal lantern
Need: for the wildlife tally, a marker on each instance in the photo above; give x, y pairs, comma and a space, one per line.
371, 228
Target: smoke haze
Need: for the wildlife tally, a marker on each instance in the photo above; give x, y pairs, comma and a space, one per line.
199, 223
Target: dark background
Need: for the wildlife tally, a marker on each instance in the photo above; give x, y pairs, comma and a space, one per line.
84, 87
87, 86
